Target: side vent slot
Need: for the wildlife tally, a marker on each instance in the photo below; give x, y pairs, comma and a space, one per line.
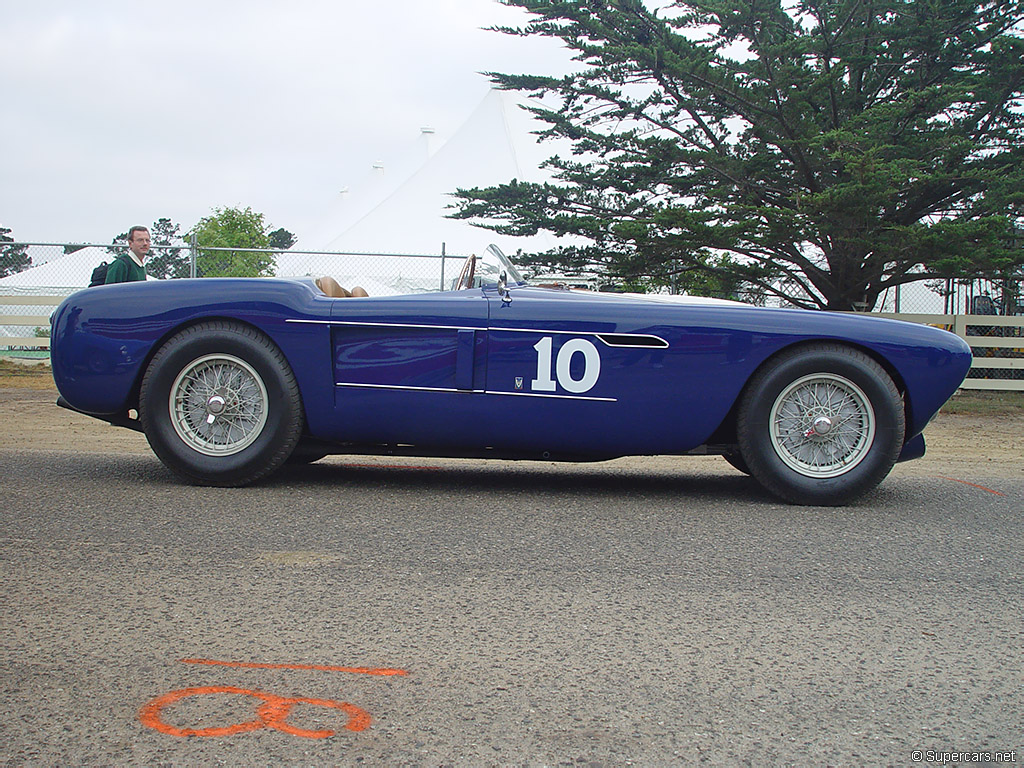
634, 340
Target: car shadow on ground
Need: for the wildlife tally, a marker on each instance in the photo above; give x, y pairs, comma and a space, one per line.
705, 478
362, 475
515, 478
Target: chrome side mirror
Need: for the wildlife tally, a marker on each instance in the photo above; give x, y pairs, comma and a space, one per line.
506, 296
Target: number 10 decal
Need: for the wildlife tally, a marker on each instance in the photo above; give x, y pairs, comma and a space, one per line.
591, 366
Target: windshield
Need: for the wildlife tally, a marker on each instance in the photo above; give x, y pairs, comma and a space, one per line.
491, 265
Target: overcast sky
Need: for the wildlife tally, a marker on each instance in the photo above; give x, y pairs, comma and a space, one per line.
117, 113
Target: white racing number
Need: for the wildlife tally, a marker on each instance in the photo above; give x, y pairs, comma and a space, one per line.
563, 362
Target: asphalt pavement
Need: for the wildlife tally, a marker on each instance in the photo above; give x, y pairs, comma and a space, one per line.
421, 612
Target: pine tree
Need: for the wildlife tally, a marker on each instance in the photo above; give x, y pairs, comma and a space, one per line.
13, 258
824, 151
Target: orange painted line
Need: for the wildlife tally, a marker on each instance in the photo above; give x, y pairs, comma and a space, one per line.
973, 485
315, 667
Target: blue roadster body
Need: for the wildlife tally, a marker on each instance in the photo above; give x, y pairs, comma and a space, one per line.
230, 378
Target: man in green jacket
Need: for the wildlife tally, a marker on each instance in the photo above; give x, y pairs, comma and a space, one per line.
125, 269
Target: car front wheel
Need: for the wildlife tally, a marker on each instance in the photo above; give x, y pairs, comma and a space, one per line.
822, 424
220, 406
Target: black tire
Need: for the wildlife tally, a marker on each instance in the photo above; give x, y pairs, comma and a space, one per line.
220, 406
736, 462
302, 455
821, 425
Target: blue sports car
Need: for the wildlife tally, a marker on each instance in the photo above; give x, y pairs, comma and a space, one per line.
231, 378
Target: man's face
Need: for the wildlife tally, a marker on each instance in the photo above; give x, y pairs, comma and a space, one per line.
139, 244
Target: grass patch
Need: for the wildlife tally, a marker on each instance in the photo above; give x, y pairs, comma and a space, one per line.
973, 402
28, 374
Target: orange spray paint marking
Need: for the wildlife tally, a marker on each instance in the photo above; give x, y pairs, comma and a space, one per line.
314, 667
272, 714
973, 485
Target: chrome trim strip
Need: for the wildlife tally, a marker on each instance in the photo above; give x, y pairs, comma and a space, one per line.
644, 340
406, 388
558, 397
389, 325
403, 388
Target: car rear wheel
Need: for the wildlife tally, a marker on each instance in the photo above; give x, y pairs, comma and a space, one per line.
220, 406
821, 424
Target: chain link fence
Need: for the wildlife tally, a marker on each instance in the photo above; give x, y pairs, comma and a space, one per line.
61, 269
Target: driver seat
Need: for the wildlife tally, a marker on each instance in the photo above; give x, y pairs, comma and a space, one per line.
331, 288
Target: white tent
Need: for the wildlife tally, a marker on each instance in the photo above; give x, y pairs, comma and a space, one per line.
404, 209
71, 271
62, 275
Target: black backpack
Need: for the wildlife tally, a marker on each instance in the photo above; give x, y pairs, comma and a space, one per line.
99, 275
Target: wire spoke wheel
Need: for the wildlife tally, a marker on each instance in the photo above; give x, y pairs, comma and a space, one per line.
822, 425
218, 405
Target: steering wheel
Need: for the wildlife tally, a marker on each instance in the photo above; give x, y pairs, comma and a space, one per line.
466, 276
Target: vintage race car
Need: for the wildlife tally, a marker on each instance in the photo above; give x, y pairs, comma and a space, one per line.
231, 378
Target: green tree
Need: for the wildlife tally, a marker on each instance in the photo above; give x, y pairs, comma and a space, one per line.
281, 239
824, 150
13, 258
233, 228
167, 257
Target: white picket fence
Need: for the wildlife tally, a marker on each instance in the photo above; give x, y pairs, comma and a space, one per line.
993, 338
27, 323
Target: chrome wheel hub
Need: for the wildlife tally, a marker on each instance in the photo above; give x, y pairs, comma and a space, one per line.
215, 407
821, 426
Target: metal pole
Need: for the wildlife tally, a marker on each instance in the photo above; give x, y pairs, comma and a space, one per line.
192, 258
442, 265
